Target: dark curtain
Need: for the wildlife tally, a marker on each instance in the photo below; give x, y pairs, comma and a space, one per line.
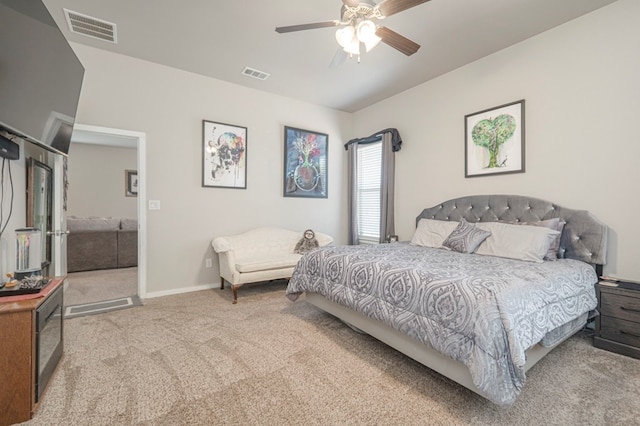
391, 143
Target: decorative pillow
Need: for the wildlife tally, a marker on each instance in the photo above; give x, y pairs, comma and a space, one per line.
530, 243
466, 237
557, 225
431, 233
554, 248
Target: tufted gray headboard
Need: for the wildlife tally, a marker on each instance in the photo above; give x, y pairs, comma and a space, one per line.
584, 237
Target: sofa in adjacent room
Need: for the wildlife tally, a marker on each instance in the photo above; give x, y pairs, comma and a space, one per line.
101, 243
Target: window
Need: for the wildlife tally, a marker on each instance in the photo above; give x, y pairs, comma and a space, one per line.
371, 183
369, 186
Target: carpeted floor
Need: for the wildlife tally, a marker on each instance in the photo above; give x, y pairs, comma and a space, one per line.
96, 286
197, 359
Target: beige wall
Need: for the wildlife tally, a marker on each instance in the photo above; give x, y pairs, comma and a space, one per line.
580, 82
100, 191
168, 105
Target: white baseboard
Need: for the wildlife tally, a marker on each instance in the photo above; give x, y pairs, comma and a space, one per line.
180, 291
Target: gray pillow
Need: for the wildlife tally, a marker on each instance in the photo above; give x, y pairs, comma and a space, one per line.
431, 233
555, 224
465, 238
530, 243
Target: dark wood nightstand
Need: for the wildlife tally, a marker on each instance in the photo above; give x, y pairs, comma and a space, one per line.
618, 325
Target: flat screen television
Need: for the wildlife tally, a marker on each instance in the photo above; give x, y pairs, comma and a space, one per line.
40, 76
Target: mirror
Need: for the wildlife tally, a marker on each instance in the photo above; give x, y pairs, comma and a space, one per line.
39, 206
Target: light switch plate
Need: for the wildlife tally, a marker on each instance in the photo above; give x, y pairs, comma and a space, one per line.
154, 204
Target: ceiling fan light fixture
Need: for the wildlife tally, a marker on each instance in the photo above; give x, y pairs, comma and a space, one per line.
353, 47
372, 42
366, 30
345, 35
359, 21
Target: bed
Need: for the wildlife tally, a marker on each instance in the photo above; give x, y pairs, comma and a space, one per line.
480, 319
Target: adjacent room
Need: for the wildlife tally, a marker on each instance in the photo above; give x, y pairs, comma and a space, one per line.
329, 212
102, 245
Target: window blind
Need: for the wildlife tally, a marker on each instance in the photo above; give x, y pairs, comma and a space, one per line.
369, 161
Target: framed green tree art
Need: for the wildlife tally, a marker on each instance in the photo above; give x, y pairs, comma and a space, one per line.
494, 140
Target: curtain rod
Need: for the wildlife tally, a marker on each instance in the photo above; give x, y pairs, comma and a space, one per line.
396, 140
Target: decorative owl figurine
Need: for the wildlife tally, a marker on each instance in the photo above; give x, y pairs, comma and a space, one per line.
307, 243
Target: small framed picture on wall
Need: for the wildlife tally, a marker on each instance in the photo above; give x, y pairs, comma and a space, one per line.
131, 183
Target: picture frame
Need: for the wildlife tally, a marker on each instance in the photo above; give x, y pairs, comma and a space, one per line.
224, 155
305, 163
131, 183
494, 140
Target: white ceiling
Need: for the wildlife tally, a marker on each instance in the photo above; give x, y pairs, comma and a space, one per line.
219, 38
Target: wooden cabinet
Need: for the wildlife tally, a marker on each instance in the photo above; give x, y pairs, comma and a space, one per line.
618, 325
16, 366
18, 355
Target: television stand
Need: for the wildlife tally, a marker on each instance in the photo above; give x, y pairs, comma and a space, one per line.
19, 334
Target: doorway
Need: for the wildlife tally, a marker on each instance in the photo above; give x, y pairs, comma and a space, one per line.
111, 137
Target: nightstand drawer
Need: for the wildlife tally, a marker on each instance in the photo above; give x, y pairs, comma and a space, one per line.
619, 330
620, 306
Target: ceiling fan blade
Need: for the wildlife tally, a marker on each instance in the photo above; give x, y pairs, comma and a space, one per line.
397, 41
391, 7
351, 3
311, 26
339, 58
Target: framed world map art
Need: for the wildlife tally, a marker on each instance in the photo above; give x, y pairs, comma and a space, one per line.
305, 163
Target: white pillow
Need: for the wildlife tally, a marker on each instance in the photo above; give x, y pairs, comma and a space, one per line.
521, 242
432, 233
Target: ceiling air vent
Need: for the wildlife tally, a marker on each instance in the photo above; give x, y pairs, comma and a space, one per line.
91, 27
251, 72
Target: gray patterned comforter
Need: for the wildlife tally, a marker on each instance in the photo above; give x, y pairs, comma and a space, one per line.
480, 310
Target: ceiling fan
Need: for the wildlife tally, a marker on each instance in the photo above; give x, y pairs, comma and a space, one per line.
358, 21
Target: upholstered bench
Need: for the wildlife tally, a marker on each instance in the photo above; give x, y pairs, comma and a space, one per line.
260, 254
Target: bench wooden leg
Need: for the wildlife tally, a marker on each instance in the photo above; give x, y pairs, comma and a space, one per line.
221, 283
234, 288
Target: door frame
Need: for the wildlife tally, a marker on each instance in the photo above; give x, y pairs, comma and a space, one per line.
120, 137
